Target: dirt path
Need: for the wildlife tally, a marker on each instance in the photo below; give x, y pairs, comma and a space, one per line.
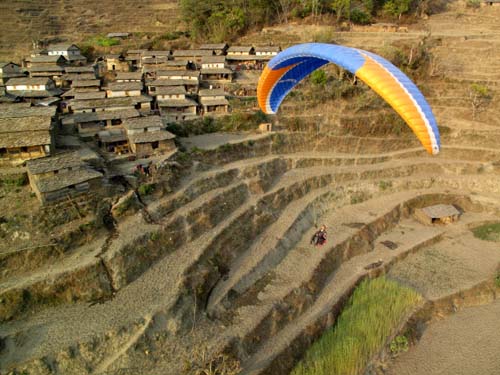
465, 343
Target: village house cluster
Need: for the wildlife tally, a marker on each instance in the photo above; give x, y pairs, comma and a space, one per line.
117, 106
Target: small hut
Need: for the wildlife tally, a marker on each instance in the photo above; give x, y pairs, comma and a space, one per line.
437, 214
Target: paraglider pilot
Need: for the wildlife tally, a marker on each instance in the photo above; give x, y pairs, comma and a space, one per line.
319, 237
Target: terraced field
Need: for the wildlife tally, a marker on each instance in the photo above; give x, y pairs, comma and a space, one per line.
224, 264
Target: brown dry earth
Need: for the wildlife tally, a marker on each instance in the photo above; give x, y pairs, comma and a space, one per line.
465, 343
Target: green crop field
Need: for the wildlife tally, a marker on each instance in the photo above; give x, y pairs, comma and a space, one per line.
375, 309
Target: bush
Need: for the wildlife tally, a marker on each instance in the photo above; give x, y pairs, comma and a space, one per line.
17, 181
473, 4
360, 17
146, 189
318, 77
399, 345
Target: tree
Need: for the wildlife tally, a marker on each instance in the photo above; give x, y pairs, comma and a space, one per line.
480, 97
397, 7
342, 8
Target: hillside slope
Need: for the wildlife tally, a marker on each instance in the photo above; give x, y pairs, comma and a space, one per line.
26, 21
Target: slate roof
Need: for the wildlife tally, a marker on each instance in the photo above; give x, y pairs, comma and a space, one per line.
61, 47
147, 137
180, 73
172, 82
129, 75
142, 122
440, 210
211, 92
78, 118
192, 53
110, 102
85, 83
54, 163
216, 71
268, 49
47, 59
25, 139
46, 68
155, 60
80, 69
214, 46
118, 35
78, 77
90, 95
35, 93
65, 179
124, 86
24, 110
37, 81
112, 135
221, 59
169, 90
240, 49
25, 124
177, 103
210, 102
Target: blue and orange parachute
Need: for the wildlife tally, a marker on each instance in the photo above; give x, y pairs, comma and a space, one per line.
289, 67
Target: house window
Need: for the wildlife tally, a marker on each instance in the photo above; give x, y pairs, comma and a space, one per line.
116, 122
3, 151
154, 145
24, 149
56, 172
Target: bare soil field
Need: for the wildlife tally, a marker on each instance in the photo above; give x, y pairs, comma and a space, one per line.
465, 343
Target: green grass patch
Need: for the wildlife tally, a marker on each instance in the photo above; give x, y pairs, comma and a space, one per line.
488, 232
375, 309
102, 41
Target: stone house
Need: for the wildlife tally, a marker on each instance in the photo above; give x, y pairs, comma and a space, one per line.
267, 52
47, 66
155, 60
70, 51
147, 136
9, 70
62, 176
128, 77
214, 69
194, 55
77, 73
77, 95
190, 79
179, 65
240, 51
32, 88
86, 84
115, 63
174, 105
141, 102
122, 89
25, 132
88, 124
113, 140
244, 57
134, 58
218, 48
213, 101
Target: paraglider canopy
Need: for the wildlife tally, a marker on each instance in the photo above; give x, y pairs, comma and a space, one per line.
292, 65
